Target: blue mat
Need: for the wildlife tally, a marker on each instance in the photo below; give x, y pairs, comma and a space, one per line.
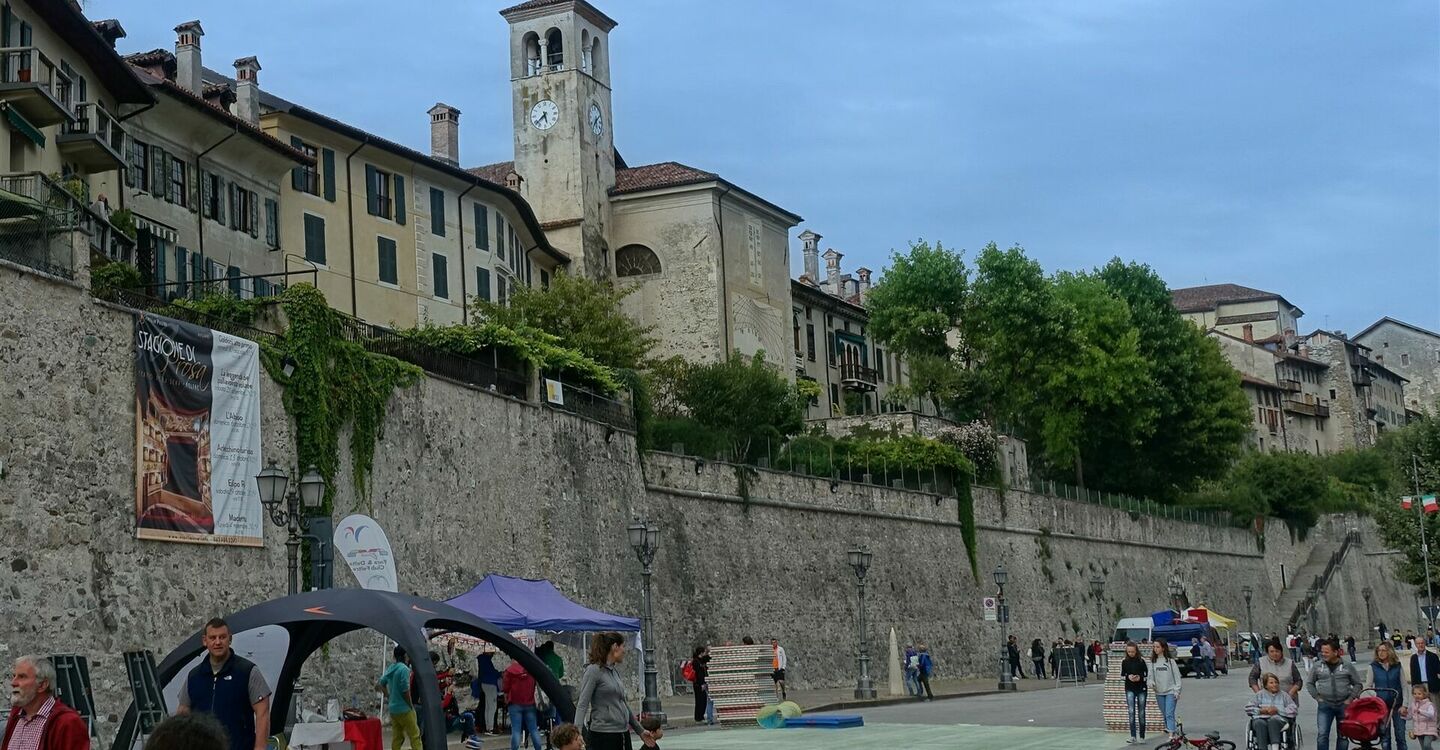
825, 722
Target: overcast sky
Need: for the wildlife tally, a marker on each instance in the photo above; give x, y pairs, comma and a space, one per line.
1293, 147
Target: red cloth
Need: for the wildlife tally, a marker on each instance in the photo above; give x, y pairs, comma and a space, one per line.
64, 730
519, 686
364, 734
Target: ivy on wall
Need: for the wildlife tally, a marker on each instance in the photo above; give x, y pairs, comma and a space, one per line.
966, 503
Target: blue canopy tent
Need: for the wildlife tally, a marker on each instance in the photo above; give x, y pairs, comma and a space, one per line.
529, 604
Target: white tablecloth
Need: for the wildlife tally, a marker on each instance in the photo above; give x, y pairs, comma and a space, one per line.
330, 734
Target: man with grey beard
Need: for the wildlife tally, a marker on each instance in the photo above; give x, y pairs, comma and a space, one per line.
38, 720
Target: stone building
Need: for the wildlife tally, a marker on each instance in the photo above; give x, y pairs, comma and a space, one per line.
1285, 388
65, 95
202, 179
1411, 352
1366, 397
1231, 309
709, 258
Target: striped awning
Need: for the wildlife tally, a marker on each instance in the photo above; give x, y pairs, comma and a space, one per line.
23, 126
155, 228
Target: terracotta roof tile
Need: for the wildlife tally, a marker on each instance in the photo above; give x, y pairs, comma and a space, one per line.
1198, 298
188, 97
531, 5
1225, 320
655, 176
153, 57
495, 173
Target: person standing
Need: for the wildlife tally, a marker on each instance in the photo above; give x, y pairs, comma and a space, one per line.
1387, 678
38, 720
489, 679
700, 665
1333, 684
1270, 710
1422, 717
1135, 675
1350, 646
1425, 668
924, 668
1164, 681
1277, 663
601, 705
1012, 654
1037, 658
777, 661
399, 702
907, 670
1207, 654
519, 687
229, 688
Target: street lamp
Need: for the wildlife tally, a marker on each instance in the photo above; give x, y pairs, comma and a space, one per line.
1310, 595
272, 482
1369, 618
859, 559
1253, 642
1007, 680
645, 539
1175, 591
1097, 590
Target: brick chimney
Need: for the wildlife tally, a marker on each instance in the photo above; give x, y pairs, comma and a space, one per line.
832, 271
187, 57
247, 90
1249, 333
445, 133
864, 275
811, 252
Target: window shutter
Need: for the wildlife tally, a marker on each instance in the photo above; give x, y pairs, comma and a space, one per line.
482, 227
297, 175
192, 190
130, 149
399, 199
314, 239
181, 269
272, 222
222, 188
233, 274
158, 179
440, 281
160, 277
234, 205
254, 216
327, 163
372, 200
207, 194
437, 212
482, 283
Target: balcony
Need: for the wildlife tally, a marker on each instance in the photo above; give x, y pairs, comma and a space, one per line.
34, 87
799, 362
94, 141
47, 226
857, 377
1302, 407
1293, 386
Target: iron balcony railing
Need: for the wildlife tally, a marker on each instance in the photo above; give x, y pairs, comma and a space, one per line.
1296, 406
45, 225
1290, 385
854, 375
580, 400
92, 119
29, 68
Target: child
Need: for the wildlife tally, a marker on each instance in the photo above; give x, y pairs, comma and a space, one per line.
1422, 717
652, 725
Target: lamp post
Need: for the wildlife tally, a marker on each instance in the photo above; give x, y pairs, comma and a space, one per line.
272, 482
859, 559
1175, 590
645, 539
1252, 642
1007, 680
1097, 590
1310, 595
1369, 618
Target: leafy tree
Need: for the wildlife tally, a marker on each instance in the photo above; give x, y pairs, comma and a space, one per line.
956, 391
581, 314
1412, 456
744, 399
920, 299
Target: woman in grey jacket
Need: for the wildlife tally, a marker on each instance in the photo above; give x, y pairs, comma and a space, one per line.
1164, 680
601, 710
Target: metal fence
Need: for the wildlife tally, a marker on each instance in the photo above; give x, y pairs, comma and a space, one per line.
1129, 504
45, 226
562, 396
139, 300
489, 372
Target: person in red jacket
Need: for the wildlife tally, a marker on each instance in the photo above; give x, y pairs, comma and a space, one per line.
38, 720
519, 688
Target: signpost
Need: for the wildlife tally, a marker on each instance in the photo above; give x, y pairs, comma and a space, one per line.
992, 608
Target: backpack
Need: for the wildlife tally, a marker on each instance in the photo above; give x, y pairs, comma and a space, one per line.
687, 670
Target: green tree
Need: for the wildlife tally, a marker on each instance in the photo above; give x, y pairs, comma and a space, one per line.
1412, 456
919, 300
581, 313
745, 400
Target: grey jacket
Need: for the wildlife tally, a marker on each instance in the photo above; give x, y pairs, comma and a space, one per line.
601, 706
1339, 685
1164, 677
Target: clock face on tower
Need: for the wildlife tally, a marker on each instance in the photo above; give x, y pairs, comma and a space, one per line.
597, 119
544, 114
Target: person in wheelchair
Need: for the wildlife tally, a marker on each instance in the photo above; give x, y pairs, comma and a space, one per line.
1271, 710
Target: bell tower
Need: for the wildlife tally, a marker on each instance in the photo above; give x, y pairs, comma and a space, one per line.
564, 148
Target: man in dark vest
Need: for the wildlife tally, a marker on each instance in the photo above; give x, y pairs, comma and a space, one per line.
231, 689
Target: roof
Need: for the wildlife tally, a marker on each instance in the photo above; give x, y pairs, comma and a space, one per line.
534, 8
800, 288
1401, 323
531, 604
1201, 298
1258, 382
71, 25
185, 96
667, 174
495, 173
1225, 320
1302, 359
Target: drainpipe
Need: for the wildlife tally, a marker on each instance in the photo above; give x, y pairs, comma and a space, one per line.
464, 270
350, 221
200, 190
724, 292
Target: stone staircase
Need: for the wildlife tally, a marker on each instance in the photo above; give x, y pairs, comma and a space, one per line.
1319, 567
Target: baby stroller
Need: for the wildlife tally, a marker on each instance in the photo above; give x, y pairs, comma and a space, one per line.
1365, 719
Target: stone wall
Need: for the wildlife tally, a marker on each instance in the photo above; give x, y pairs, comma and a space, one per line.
467, 483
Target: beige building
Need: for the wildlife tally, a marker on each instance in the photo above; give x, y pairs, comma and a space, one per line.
64, 95
1411, 352
1366, 397
1287, 396
1232, 309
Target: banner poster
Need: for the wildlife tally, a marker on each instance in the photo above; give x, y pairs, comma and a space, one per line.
197, 434
366, 549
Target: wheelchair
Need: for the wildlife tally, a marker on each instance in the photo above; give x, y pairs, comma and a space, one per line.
1292, 736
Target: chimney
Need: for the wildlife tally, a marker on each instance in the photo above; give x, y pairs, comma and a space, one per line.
247, 90
811, 252
1304, 350
1249, 333
110, 30
445, 133
864, 274
832, 271
187, 57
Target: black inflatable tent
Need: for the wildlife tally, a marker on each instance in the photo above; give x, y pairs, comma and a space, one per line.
314, 619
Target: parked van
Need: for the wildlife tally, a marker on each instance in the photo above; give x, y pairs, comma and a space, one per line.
1135, 629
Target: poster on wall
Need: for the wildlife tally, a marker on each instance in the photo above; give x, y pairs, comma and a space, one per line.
197, 434
365, 547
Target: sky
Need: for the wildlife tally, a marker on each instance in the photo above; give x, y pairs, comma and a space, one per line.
1292, 147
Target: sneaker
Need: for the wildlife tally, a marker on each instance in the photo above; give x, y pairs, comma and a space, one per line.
473, 742
1130, 741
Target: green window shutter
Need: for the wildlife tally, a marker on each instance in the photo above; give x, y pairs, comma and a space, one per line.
254, 215
232, 193
399, 199
440, 281
192, 188
314, 239
159, 251
297, 175
482, 283
207, 194
158, 178
182, 265
327, 163
500, 234
5, 16
233, 274
437, 212
482, 227
272, 222
387, 262
372, 200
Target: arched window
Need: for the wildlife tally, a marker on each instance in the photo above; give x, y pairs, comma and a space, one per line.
531, 49
554, 50
585, 51
636, 260
597, 65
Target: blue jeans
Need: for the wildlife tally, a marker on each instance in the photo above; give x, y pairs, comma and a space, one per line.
1397, 726
1207, 666
710, 713
1166, 701
1327, 714
527, 715
1135, 707
465, 722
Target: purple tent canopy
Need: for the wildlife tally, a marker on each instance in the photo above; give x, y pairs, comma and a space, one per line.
526, 604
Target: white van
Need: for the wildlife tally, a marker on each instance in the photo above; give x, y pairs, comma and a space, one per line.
1135, 629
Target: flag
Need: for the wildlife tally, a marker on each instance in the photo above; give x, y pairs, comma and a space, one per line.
1429, 504
1407, 502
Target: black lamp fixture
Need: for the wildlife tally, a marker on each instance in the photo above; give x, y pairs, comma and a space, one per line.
272, 483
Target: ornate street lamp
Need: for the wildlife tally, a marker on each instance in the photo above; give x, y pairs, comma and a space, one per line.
1175, 590
859, 559
1253, 641
1369, 617
645, 540
272, 482
1310, 595
1007, 680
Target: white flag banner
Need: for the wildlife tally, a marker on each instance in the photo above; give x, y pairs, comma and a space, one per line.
366, 549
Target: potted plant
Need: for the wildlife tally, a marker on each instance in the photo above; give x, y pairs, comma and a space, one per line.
124, 222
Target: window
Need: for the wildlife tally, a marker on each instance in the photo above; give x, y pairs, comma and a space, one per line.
1332, 394
138, 173
441, 281
834, 398
437, 212
482, 227
810, 341
1404, 359
500, 234
305, 179
500, 292
212, 196
554, 50
880, 363
314, 239
388, 269
244, 210
179, 187
377, 194
482, 284
636, 260
272, 223
544, 279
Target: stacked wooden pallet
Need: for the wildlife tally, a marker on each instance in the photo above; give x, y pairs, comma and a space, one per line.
1117, 717
740, 682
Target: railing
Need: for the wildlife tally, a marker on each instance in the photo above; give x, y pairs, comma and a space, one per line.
30, 65
488, 373
92, 119
855, 374
587, 403
1129, 504
139, 300
1295, 406
1290, 385
42, 221
1322, 581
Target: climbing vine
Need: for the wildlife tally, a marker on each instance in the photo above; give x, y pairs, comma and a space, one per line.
535, 347
966, 503
335, 383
